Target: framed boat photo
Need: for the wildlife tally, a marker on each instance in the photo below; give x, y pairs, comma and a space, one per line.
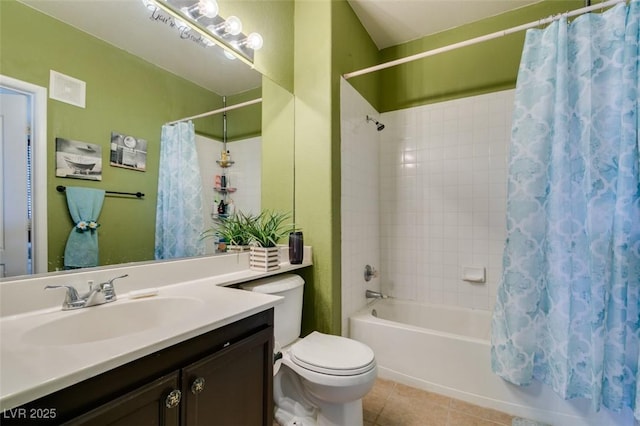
128, 151
78, 160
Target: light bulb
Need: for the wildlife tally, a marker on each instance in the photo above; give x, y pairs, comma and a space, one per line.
253, 41
233, 25
208, 8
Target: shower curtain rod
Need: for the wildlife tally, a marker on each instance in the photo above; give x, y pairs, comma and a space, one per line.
217, 111
481, 39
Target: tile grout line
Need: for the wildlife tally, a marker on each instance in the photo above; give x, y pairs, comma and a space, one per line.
449, 416
384, 404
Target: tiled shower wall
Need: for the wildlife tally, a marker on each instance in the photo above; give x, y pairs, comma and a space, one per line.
442, 173
360, 195
423, 199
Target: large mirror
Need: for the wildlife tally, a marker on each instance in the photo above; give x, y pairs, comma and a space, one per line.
140, 71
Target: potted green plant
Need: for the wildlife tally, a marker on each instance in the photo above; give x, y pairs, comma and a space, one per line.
265, 231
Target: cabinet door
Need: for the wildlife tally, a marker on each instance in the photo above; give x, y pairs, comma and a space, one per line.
152, 404
232, 387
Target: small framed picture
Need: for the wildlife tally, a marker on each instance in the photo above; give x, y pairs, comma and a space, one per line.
128, 152
79, 160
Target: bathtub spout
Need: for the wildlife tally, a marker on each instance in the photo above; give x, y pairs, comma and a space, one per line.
370, 294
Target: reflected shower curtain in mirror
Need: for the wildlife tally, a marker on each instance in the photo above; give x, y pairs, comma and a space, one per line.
179, 219
567, 308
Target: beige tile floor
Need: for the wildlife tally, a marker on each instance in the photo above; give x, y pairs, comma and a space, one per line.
394, 404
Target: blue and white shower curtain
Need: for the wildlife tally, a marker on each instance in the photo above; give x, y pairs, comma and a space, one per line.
567, 311
179, 217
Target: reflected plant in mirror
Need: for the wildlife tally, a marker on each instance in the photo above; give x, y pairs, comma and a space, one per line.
232, 231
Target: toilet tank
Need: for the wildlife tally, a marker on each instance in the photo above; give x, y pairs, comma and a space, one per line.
287, 318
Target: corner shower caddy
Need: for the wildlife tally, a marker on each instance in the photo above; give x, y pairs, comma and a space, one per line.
224, 163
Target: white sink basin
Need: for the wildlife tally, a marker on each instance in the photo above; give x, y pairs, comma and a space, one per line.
112, 320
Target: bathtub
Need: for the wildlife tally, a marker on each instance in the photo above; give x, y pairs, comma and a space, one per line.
447, 350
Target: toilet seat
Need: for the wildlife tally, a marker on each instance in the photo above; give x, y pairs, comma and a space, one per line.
332, 355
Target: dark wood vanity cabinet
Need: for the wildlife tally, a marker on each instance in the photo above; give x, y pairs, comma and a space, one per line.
143, 406
224, 377
229, 387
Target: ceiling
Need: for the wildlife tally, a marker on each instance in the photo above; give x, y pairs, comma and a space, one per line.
392, 22
130, 25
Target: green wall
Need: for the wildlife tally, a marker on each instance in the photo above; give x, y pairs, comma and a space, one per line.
277, 148
329, 40
245, 122
482, 68
313, 191
273, 19
354, 50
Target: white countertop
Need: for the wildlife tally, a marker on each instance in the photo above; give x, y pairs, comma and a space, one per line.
30, 370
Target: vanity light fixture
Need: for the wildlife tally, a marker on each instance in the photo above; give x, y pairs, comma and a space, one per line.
209, 28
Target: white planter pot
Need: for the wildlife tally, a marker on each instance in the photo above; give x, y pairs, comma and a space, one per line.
264, 258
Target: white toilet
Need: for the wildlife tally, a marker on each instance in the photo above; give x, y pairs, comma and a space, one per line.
321, 378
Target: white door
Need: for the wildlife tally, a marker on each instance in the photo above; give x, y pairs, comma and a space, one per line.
15, 223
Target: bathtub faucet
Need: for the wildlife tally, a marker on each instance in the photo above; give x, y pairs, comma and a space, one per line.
370, 294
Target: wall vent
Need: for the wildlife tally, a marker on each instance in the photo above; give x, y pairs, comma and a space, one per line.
67, 89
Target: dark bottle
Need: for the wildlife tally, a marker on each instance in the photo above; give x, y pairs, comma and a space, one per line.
296, 248
222, 208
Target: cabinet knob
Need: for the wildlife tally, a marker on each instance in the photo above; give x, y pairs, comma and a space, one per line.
173, 399
197, 386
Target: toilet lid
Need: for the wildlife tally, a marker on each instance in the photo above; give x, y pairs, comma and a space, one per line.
333, 355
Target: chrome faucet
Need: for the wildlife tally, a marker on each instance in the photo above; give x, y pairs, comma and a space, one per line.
98, 294
370, 294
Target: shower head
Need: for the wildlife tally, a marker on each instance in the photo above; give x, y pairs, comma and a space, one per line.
379, 125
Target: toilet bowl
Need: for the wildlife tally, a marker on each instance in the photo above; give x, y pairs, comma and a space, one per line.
327, 373
320, 379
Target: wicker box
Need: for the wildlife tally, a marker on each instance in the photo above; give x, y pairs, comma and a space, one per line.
264, 258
